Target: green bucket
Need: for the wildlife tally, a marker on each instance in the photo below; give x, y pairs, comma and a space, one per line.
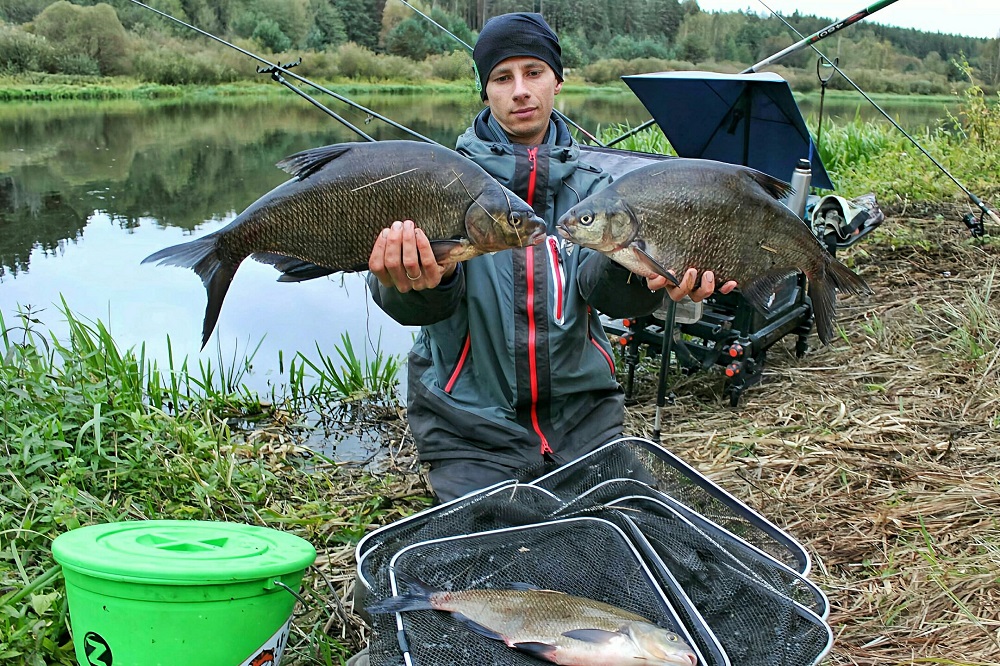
168, 592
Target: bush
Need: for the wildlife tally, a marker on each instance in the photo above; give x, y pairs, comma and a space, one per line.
607, 71
171, 67
23, 52
79, 64
357, 62
454, 66
94, 31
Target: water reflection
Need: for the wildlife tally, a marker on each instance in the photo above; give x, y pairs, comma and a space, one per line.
87, 190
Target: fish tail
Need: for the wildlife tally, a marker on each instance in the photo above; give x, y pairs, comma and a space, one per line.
823, 293
418, 597
201, 255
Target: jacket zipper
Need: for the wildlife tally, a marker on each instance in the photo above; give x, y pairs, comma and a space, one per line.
532, 174
545, 449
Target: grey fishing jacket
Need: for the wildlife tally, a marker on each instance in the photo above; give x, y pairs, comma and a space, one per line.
512, 364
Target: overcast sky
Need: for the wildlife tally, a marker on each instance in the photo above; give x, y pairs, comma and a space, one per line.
977, 18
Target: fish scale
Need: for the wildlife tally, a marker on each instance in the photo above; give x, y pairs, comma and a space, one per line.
327, 218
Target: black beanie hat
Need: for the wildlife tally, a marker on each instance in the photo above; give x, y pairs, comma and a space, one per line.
511, 35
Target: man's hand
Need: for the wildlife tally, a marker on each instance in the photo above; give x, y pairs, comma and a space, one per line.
402, 258
687, 287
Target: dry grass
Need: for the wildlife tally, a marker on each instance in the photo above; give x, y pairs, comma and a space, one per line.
879, 452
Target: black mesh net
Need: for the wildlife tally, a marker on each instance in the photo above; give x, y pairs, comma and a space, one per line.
642, 460
629, 524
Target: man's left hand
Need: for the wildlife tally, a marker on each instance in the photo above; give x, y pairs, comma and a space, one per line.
705, 287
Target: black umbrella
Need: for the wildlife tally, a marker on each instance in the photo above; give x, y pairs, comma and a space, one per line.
748, 119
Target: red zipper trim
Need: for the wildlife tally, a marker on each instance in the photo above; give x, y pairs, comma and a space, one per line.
533, 161
532, 351
458, 367
607, 357
557, 275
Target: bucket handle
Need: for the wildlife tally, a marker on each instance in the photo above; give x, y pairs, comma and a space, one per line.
278, 583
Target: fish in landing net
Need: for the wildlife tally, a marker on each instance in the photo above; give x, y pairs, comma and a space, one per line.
715, 216
554, 626
327, 217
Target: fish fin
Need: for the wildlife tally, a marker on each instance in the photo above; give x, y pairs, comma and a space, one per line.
537, 650
654, 265
443, 248
202, 256
304, 164
823, 294
777, 188
292, 269
592, 635
472, 625
524, 587
758, 290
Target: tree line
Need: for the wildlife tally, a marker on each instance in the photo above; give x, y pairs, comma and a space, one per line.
384, 39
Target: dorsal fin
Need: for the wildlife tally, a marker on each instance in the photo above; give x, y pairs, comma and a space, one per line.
777, 188
302, 165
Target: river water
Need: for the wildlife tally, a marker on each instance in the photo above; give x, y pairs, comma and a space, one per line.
87, 190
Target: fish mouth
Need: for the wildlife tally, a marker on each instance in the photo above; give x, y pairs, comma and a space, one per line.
537, 236
564, 232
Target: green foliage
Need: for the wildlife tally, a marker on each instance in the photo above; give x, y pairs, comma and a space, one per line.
94, 32
649, 140
23, 52
268, 34
454, 66
93, 434
595, 34
864, 156
355, 379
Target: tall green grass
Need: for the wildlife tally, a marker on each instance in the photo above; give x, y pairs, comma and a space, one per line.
90, 433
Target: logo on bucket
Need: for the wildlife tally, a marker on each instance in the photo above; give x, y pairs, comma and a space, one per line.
269, 654
97, 650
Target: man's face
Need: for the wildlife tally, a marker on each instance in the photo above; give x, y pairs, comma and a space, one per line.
521, 92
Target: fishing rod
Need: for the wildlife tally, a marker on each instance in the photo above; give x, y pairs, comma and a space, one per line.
975, 227
276, 70
805, 42
479, 84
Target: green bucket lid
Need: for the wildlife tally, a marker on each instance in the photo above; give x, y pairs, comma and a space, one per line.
182, 552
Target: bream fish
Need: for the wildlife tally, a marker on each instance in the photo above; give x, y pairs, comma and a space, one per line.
681, 213
553, 626
327, 217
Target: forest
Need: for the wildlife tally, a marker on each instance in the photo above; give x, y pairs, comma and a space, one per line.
384, 40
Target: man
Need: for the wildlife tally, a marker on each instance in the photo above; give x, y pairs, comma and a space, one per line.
512, 366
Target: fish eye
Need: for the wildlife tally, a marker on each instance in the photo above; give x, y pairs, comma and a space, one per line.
586, 219
516, 219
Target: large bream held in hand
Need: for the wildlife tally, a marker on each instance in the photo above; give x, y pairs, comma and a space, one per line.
326, 218
679, 213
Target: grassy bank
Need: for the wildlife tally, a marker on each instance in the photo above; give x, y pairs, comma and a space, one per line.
93, 434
